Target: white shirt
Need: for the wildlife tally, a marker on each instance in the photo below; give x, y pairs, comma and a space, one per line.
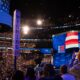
68, 76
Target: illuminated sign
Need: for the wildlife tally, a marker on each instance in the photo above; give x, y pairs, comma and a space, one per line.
5, 19
45, 50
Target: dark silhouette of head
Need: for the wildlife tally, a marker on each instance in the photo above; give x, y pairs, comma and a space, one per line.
64, 69
58, 77
18, 75
30, 73
49, 70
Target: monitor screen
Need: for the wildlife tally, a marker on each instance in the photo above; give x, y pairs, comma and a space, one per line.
5, 19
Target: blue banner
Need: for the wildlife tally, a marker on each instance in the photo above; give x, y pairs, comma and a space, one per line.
45, 50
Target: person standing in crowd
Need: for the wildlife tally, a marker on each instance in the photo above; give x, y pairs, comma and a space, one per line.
74, 59
18, 75
65, 75
75, 70
30, 75
58, 77
49, 72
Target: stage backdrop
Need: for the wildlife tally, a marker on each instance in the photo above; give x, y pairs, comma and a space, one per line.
63, 47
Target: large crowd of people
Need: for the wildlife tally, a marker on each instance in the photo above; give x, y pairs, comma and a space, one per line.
48, 72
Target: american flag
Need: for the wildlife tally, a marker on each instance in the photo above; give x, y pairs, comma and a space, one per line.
71, 39
61, 49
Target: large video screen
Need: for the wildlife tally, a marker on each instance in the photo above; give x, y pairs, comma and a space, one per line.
5, 19
66, 41
64, 45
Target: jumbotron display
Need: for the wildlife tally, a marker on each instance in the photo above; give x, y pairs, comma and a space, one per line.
64, 45
4, 5
65, 41
5, 17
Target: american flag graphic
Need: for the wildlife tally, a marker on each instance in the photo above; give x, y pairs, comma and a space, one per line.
61, 49
71, 40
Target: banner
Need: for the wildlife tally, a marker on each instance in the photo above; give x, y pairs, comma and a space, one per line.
45, 50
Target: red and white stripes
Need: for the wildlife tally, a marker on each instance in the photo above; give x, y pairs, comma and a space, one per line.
71, 39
